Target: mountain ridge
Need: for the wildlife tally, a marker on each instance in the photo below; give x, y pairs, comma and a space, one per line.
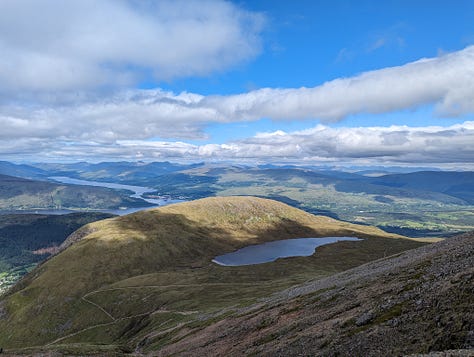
163, 256
423, 307
418, 202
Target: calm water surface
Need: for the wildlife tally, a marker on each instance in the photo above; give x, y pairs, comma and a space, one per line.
271, 251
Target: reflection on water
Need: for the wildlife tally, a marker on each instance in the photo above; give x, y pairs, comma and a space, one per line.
270, 251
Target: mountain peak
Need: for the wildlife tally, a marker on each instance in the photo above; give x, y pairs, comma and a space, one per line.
156, 266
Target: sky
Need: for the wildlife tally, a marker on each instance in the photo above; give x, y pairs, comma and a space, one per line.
304, 82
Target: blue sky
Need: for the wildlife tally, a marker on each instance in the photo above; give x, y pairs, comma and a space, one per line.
321, 82
307, 43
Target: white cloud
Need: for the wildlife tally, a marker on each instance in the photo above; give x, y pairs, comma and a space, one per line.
394, 144
446, 81
134, 114
52, 46
123, 124
404, 145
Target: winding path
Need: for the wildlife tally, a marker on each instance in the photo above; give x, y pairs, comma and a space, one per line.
159, 311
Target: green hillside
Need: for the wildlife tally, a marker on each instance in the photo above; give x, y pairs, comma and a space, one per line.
130, 282
27, 239
23, 194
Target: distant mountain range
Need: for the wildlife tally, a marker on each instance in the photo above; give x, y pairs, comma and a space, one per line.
20, 170
125, 172
455, 184
450, 183
414, 203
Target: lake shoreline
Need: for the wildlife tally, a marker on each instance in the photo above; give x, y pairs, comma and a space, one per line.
270, 251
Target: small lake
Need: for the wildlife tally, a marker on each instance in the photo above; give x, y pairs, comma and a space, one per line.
271, 251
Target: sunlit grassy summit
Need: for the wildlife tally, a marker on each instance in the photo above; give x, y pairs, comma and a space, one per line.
124, 280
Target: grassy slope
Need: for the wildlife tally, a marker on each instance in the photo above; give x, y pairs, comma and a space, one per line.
416, 302
139, 275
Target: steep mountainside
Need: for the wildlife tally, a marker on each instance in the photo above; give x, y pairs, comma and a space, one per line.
19, 194
417, 302
128, 283
27, 239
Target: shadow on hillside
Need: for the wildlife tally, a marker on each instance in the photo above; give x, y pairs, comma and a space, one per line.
299, 205
286, 229
168, 227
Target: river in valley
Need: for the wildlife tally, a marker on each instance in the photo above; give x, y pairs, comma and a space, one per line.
137, 192
271, 251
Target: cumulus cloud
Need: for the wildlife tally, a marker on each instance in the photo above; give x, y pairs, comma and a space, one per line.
394, 144
446, 81
134, 114
434, 145
52, 46
127, 123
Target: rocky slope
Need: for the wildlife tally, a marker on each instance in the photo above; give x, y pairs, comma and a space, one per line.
417, 302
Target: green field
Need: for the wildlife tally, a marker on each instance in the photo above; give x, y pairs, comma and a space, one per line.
419, 216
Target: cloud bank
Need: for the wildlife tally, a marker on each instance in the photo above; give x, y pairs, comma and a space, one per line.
65, 68
53, 46
434, 145
446, 81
